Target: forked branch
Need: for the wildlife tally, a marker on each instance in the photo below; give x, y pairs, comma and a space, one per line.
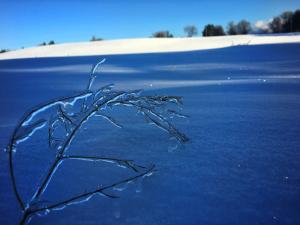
68, 115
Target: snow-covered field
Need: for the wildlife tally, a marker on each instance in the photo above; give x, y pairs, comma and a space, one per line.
240, 167
148, 45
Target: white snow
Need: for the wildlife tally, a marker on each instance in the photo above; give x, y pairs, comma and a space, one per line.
148, 45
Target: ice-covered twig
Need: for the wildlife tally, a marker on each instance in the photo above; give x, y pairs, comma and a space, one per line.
148, 110
85, 196
121, 162
24, 122
110, 119
68, 115
93, 76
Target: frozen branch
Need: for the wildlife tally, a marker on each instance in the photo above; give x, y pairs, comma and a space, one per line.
67, 116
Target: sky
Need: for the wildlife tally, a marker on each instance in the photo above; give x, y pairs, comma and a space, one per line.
26, 23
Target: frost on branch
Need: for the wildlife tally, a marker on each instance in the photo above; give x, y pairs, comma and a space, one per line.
63, 118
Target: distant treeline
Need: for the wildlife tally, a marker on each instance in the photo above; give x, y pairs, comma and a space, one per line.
285, 23
49, 43
3, 50
94, 38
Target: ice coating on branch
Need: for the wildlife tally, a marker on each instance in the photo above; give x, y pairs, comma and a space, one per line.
93, 75
63, 118
43, 108
25, 132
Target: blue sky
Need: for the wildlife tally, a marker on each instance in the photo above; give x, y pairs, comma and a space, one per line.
30, 22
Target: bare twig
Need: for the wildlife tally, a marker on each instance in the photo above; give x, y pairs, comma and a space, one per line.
73, 200
12, 142
92, 103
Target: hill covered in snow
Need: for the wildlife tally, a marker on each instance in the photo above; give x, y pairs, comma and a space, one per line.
147, 45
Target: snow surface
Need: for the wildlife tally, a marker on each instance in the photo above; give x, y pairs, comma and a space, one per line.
241, 165
148, 45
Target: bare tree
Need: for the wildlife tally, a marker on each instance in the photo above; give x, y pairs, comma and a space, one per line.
162, 34
243, 27
94, 38
231, 28
42, 44
4, 50
276, 25
191, 30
